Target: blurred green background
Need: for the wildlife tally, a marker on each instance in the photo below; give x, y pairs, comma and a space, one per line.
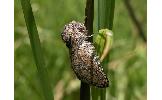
127, 69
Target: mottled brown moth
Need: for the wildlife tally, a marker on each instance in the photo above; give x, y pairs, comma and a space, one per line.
84, 60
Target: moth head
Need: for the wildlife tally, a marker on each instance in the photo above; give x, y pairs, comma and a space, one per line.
73, 31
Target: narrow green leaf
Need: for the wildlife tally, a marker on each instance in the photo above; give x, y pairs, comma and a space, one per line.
105, 14
94, 92
102, 94
105, 21
36, 48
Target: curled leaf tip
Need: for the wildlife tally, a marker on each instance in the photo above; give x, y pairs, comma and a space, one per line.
104, 42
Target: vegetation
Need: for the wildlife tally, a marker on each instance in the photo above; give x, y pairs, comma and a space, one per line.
127, 68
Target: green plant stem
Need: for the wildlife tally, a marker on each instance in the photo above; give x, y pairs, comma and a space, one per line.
94, 93
106, 14
105, 20
36, 48
103, 94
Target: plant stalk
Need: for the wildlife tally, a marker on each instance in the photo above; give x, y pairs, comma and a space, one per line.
89, 13
37, 51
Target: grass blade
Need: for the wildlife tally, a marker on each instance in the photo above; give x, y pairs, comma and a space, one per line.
36, 48
105, 21
105, 13
94, 93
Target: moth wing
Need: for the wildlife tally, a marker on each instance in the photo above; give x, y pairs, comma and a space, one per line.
91, 70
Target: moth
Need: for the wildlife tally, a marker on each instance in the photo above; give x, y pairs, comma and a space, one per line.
84, 60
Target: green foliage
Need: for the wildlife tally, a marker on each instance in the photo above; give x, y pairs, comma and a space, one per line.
36, 48
103, 42
127, 60
103, 39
